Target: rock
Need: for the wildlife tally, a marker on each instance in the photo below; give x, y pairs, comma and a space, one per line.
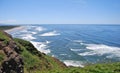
13, 63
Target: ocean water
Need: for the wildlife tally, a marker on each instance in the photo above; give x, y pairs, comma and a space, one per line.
75, 45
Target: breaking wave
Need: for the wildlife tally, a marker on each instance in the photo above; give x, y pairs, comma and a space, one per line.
100, 49
27, 37
39, 28
74, 63
53, 33
41, 46
76, 49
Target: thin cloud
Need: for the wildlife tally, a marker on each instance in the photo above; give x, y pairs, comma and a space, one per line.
82, 3
8, 21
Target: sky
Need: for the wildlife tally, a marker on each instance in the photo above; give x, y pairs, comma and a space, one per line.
60, 11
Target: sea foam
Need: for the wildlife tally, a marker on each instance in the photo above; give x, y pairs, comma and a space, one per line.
53, 33
41, 46
28, 37
40, 28
76, 49
100, 49
74, 63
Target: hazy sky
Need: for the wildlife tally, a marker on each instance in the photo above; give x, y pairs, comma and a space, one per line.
60, 11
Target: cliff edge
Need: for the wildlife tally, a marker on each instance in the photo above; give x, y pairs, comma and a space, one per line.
20, 56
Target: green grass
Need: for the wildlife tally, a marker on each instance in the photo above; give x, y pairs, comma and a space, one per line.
2, 56
3, 36
96, 68
36, 62
4, 39
30, 60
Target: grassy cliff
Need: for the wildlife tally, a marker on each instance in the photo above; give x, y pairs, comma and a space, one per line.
37, 62
34, 61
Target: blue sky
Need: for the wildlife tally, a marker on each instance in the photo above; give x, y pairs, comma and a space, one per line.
60, 11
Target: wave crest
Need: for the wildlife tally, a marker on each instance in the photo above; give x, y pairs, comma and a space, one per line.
28, 37
39, 28
53, 33
100, 49
74, 63
41, 46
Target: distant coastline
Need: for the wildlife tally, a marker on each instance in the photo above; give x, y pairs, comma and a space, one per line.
10, 28
6, 27
13, 29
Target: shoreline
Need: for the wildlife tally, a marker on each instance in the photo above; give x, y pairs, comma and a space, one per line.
14, 29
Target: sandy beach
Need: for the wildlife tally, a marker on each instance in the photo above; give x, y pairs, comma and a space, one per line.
14, 29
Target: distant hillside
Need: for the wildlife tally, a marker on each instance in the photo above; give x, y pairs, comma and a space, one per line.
20, 56
2, 27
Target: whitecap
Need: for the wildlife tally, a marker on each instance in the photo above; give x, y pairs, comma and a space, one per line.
39, 28
41, 46
28, 37
87, 53
53, 33
53, 55
76, 49
74, 63
47, 42
34, 32
101, 49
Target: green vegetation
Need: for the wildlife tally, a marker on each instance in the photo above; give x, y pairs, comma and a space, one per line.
36, 62
7, 27
96, 68
2, 56
3, 36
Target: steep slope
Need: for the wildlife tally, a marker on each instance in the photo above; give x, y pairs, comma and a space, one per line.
18, 55
36, 61
10, 60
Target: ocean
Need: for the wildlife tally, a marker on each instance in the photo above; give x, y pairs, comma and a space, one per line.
75, 45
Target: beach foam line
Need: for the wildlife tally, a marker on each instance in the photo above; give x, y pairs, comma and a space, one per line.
53, 33
14, 29
74, 63
101, 49
41, 46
